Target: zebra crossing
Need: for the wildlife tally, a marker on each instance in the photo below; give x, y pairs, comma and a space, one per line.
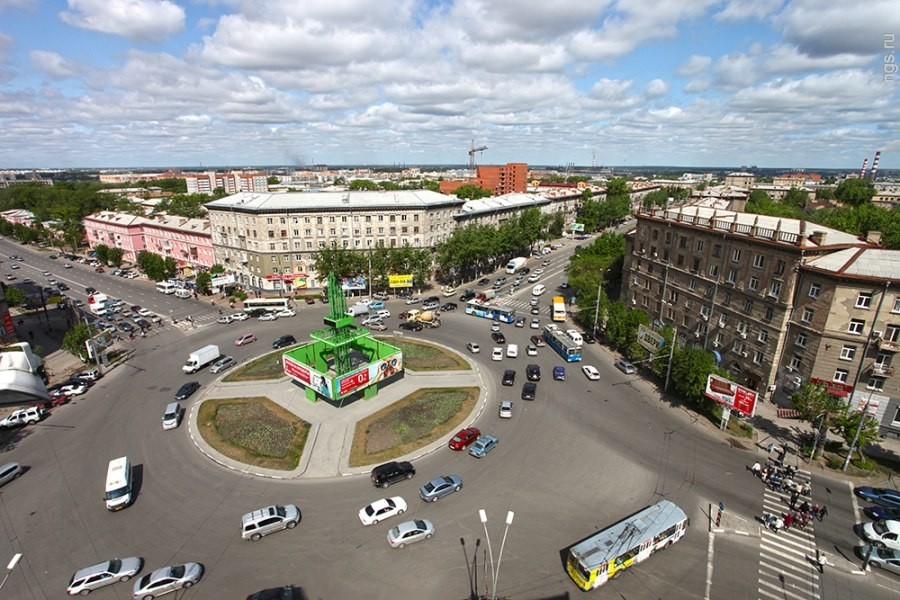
786, 563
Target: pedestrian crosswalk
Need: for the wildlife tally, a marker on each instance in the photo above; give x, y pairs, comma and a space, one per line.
787, 557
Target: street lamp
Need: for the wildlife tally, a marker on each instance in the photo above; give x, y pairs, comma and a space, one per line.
9, 568
495, 571
597, 305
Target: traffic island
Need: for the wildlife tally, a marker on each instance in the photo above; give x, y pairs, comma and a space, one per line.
266, 367
254, 431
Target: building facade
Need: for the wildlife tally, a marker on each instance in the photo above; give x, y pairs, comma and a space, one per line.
499, 179
232, 182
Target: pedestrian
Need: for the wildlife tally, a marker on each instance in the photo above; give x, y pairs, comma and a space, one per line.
756, 468
777, 524
31, 335
822, 513
795, 495
821, 561
770, 447
804, 507
806, 490
788, 520
220, 311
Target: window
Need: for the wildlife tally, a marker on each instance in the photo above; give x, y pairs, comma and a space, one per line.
717, 250
875, 384
779, 267
807, 315
727, 299
682, 242
732, 274
763, 336
753, 285
856, 326
864, 300
736, 256
704, 312
801, 340
748, 306
699, 245
896, 307
775, 289
770, 312
841, 375
758, 357
713, 270
848, 352
814, 290
795, 363
692, 284
893, 333
758, 261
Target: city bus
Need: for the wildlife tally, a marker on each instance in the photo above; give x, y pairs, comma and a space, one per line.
559, 308
267, 304
604, 555
487, 311
563, 344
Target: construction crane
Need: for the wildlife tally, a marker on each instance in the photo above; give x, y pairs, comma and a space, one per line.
472, 151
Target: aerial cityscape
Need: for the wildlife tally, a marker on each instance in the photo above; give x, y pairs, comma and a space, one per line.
578, 299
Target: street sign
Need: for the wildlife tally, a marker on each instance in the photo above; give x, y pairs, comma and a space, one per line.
649, 339
577, 227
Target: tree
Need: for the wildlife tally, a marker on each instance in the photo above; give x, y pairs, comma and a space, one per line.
854, 192
15, 296
216, 269
796, 198
470, 191
204, 282
101, 251
817, 407
115, 256
846, 425
690, 369
151, 264
170, 268
272, 180
75, 338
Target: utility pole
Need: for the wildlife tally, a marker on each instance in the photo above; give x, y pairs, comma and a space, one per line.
671, 354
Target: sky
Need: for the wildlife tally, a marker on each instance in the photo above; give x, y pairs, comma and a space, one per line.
186, 83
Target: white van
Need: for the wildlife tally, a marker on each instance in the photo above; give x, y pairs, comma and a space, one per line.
118, 484
164, 287
538, 289
183, 293
358, 309
172, 415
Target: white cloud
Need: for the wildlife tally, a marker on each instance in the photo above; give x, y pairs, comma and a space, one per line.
736, 71
696, 86
788, 59
656, 88
54, 64
140, 20
740, 10
845, 91
829, 27
694, 65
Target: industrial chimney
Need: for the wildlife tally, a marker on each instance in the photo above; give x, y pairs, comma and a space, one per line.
875, 164
862, 172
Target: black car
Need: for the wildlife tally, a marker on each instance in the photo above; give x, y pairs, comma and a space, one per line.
125, 326
484, 281
288, 592
61, 286
90, 290
412, 326
384, 475
533, 372
509, 377
529, 390
310, 300
535, 310
498, 337
449, 306
525, 270
588, 338
185, 391
285, 340
143, 323
467, 295
404, 293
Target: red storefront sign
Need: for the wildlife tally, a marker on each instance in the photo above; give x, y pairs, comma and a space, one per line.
835, 388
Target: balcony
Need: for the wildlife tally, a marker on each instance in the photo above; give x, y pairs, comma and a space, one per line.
888, 345
881, 370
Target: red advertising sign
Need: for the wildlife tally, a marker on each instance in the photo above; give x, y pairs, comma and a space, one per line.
353, 381
295, 369
732, 395
835, 388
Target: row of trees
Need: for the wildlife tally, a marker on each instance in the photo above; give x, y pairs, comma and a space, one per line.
596, 214
380, 262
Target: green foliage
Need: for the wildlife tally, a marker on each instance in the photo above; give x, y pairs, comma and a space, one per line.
796, 198
272, 180
470, 191
759, 202
854, 192
152, 265
690, 369
74, 339
14, 296
384, 262
660, 197
847, 424
216, 269
101, 251
553, 225
204, 282
184, 205
817, 406
363, 184
115, 256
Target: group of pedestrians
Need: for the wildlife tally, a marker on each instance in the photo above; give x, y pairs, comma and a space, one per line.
780, 478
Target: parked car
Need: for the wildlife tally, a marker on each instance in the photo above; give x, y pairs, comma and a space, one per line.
448, 306
413, 300
509, 377
10, 471
484, 281
283, 341
268, 316
588, 338
247, 338
89, 374
559, 373
74, 388
23, 416
881, 513
241, 316
538, 341
626, 367
370, 319
439, 487
409, 532
883, 534
591, 372
533, 372
483, 445
187, 390
285, 592
506, 409
881, 558
412, 326
383, 296
498, 337
167, 579
376, 304
497, 354
495, 326
222, 363
389, 473
531, 350
224, 319
529, 390
881, 496
463, 438
271, 519
512, 351
88, 579
309, 300
382, 509
473, 347
377, 326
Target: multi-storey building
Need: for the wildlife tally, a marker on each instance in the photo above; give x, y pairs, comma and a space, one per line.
233, 182
500, 179
18, 216
740, 180
187, 241
269, 240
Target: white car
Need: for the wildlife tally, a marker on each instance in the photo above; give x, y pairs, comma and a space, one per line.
287, 312
506, 409
74, 389
533, 277
497, 354
48, 274
144, 312
240, 316
590, 372
495, 325
538, 271
381, 510
531, 350
413, 300
883, 533
473, 347
269, 316
383, 313
224, 319
370, 320
380, 296
512, 351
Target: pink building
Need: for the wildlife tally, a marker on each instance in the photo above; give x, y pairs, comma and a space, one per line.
18, 216
188, 241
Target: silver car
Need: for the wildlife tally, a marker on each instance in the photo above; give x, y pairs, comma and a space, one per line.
10, 471
268, 520
85, 580
222, 364
440, 487
883, 558
168, 579
409, 532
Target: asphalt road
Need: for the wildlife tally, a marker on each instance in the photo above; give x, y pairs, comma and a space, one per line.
581, 456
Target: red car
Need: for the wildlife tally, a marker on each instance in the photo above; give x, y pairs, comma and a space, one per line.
464, 438
247, 338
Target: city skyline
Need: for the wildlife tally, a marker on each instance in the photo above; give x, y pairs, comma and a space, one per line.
157, 83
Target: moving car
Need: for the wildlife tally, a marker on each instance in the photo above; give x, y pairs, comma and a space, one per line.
529, 390
286, 592
412, 326
222, 363
509, 377
520, 322
498, 337
439, 487
495, 325
483, 445
384, 475
285, 340
535, 310
881, 496
535, 323
167, 579
626, 367
883, 534
559, 373
464, 438
588, 338
88, 579
377, 326
376, 304
497, 354
506, 409
381, 510
409, 532
531, 350
533, 372
287, 312
467, 295
413, 300
590, 372
370, 319
271, 519
240, 316
10, 471
538, 341
473, 347
383, 296
186, 390
448, 306
484, 281
268, 316
882, 558
247, 338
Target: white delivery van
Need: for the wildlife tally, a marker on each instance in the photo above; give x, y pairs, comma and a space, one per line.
358, 309
164, 287
118, 484
183, 293
538, 289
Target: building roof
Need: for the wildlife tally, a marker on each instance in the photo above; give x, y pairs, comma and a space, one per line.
794, 232
268, 202
504, 202
870, 263
164, 221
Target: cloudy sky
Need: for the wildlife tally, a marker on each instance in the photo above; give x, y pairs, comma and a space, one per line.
129, 83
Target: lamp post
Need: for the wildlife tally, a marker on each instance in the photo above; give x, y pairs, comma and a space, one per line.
597, 305
9, 568
495, 570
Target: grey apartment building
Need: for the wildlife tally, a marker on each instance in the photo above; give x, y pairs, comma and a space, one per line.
738, 285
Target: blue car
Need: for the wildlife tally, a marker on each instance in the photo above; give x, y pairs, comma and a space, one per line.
559, 373
881, 496
880, 513
440, 487
376, 305
483, 445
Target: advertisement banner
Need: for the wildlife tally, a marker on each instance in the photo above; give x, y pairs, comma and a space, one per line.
868, 402
353, 283
371, 373
220, 280
835, 388
649, 339
398, 281
300, 282
730, 394
577, 227
307, 376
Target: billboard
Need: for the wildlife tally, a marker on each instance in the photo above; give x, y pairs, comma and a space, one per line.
577, 227
398, 281
220, 280
353, 283
649, 339
730, 394
370, 373
307, 376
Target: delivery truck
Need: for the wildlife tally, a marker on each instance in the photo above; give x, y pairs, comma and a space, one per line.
515, 264
200, 358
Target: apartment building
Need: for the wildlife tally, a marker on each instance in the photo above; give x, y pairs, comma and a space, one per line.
18, 216
269, 241
740, 180
232, 182
500, 179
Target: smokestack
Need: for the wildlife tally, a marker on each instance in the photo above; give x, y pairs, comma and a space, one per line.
862, 172
875, 164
